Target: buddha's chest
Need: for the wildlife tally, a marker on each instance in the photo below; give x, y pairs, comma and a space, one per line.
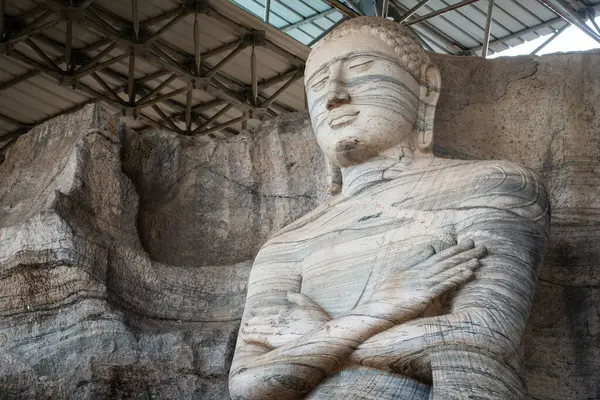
354, 249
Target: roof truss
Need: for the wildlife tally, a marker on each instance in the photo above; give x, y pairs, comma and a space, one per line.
23, 39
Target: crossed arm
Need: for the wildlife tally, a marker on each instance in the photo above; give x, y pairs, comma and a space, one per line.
469, 349
276, 358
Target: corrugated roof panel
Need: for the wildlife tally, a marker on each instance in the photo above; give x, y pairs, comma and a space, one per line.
287, 12
454, 25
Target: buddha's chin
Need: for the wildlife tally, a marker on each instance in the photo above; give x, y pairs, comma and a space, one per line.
351, 150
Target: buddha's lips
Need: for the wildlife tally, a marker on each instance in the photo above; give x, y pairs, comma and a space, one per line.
338, 119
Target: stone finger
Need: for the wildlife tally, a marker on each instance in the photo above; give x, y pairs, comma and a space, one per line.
471, 265
463, 257
451, 283
447, 253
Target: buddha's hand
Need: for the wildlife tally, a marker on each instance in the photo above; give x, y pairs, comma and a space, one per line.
422, 278
275, 326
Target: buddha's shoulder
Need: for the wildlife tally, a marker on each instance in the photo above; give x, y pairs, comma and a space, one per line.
479, 168
501, 185
485, 175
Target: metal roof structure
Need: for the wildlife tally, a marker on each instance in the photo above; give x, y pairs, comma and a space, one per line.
210, 67
450, 27
200, 68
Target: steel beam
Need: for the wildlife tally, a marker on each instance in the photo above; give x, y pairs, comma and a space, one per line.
135, 20
225, 125
308, 20
413, 10
592, 18
440, 12
166, 118
158, 88
69, 46
271, 98
80, 73
212, 119
385, 6
2, 18
326, 32
427, 30
160, 98
188, 110
178, 17
226, 59
526, 31
267, 11
254, 73
109, 91
344, 9
160, 18
550, 39
488, 29
564, 10
300, 15
42, 54
197, 49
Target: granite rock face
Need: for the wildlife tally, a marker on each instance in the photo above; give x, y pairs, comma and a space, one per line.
217, 203
124, 259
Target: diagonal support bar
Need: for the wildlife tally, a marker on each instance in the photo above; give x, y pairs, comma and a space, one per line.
42, 54
224, 125
488, 29
413, 11
308, 20
286, 85
225, 60
564, 10
440, 12
212, 119
550, 39
110, 91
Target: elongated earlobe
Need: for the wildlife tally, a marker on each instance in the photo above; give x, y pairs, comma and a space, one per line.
431, 82
334, 178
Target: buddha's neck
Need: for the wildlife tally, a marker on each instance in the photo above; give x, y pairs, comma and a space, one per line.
383, 167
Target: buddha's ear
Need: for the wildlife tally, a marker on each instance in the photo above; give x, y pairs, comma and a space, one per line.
334, 178
431, 82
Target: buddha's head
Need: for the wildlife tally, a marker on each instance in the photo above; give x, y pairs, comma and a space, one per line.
371, 88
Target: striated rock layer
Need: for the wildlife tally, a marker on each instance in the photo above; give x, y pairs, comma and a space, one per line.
124, 258
85, 310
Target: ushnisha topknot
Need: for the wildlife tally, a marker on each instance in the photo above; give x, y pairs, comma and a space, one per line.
400, 39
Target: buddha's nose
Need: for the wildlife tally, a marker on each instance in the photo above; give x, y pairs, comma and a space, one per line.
337, 94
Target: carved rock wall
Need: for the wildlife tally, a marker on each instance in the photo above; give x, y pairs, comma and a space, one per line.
124, 258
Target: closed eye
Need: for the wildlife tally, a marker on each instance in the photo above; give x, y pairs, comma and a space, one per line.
361, 66
320, 83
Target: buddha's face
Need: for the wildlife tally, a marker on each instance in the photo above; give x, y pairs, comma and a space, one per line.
361, 101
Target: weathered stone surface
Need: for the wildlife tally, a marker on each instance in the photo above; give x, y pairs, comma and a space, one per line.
218, 203
75, 204
84, 311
